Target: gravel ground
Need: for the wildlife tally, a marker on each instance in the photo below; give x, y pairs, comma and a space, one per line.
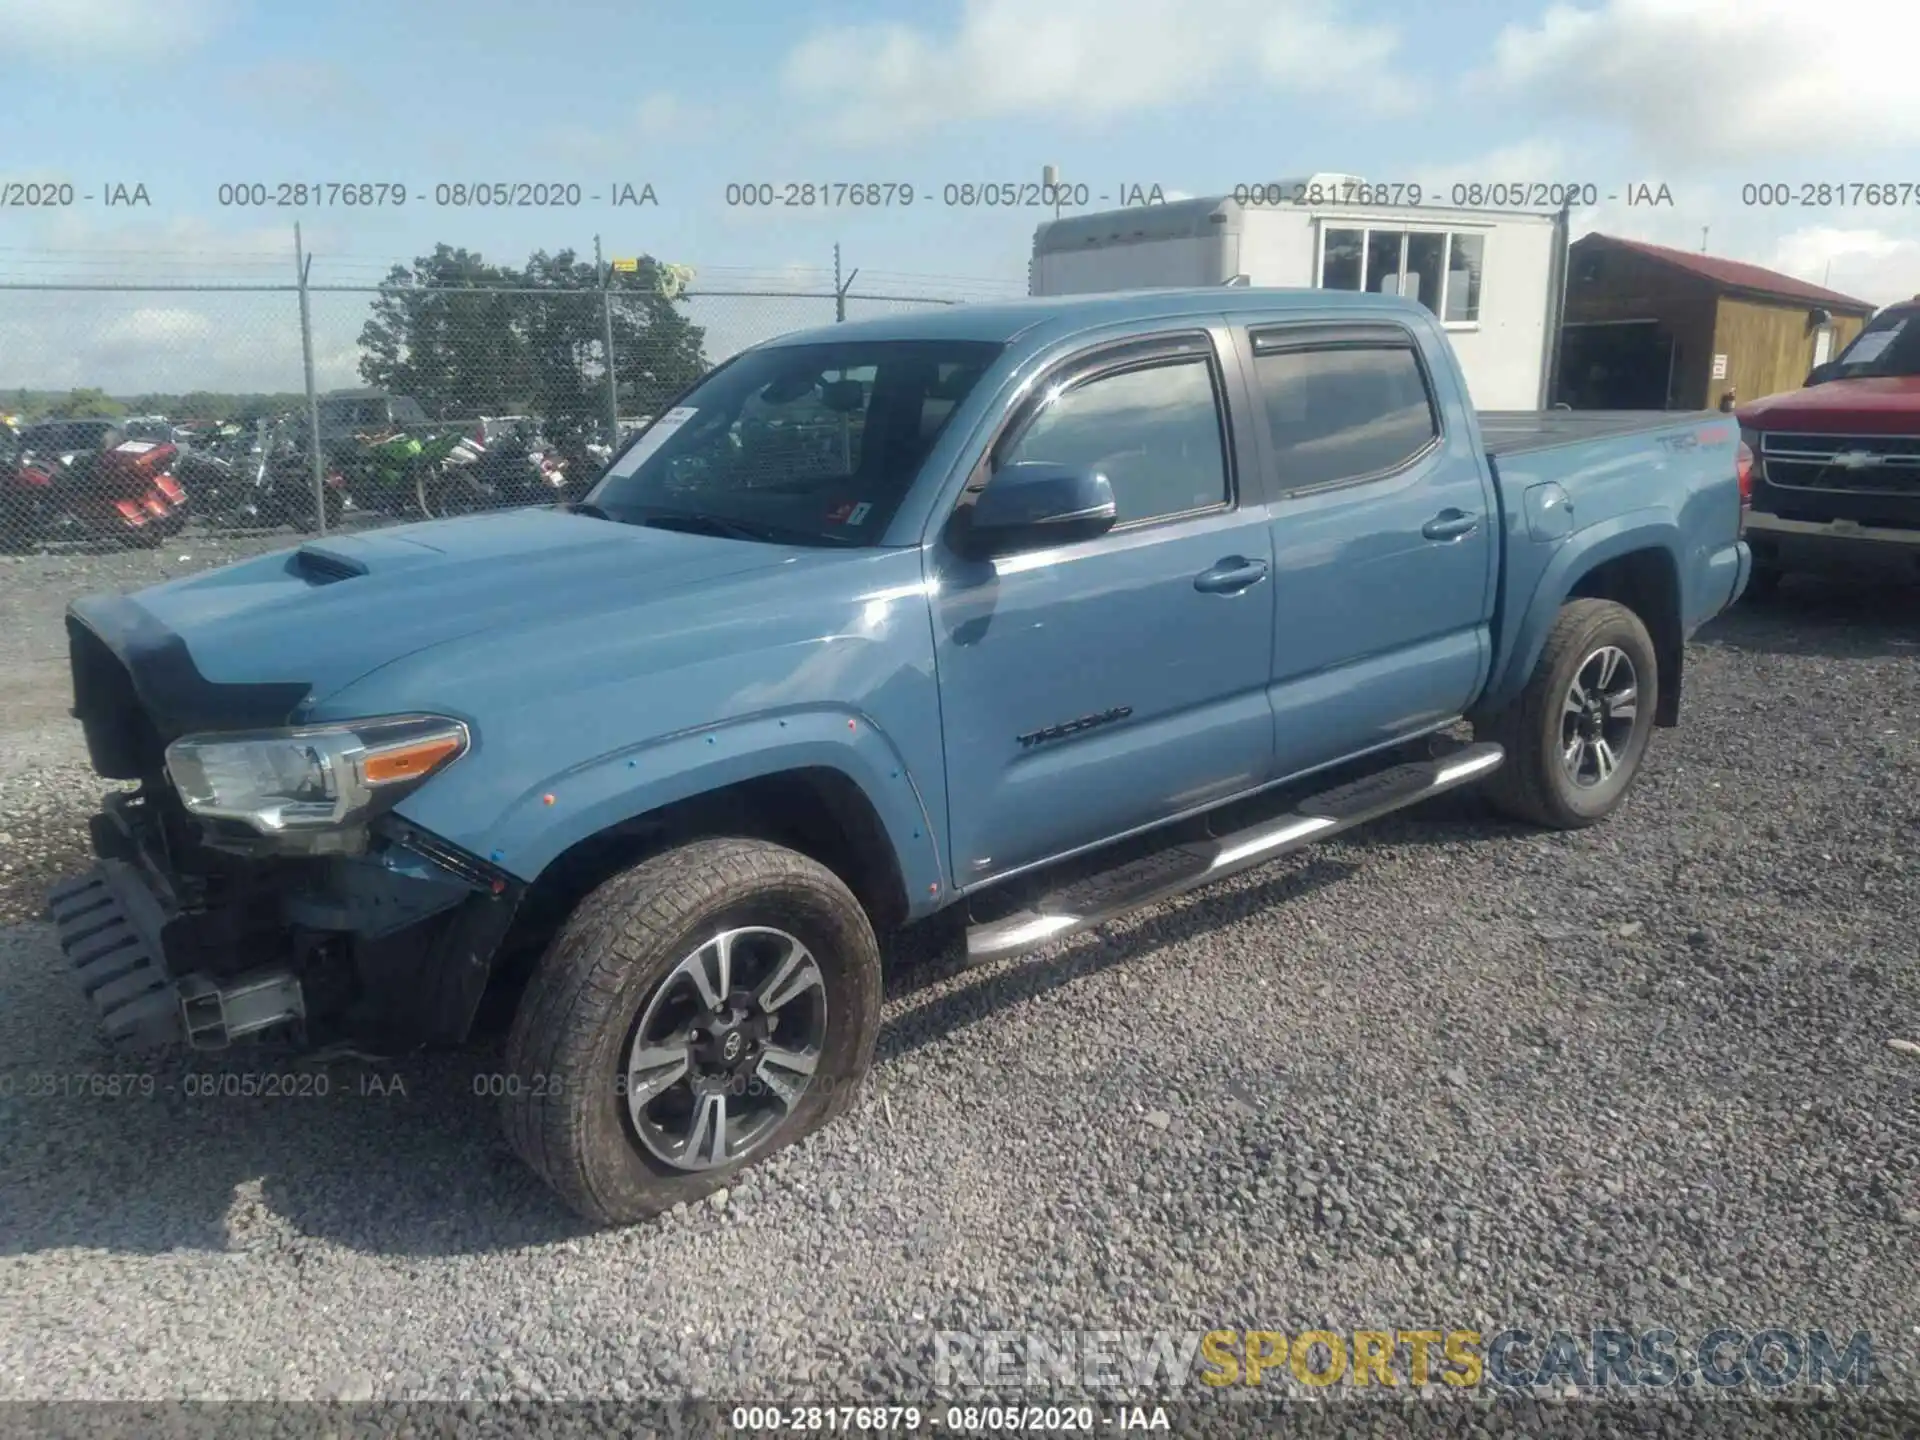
1448, 1072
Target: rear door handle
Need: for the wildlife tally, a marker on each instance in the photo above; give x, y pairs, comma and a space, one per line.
1230, 576
1449, 525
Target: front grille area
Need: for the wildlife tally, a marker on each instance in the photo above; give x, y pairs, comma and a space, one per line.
1849, 464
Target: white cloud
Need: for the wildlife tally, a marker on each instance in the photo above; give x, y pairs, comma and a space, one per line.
126, 343
93, 29
661, 116
1526, 163
1706, 81
1084, 60
1870, 264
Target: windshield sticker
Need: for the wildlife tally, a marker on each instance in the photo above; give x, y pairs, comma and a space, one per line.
858, 513
1871, 345
840, 513
657, 434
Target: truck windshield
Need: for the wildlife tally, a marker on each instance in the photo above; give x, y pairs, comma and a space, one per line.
1888, 346
795, 444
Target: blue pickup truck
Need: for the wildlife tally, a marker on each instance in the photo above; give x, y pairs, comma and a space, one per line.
1033, 612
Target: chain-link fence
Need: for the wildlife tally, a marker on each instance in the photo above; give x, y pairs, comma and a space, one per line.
132, 412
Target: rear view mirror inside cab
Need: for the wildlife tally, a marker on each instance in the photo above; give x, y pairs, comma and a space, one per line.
843, 396
789, 388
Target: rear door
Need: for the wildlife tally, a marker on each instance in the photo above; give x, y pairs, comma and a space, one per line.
1096, 688
1384, 528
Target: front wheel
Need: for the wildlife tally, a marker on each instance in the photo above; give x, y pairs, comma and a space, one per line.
695, 1014
1576, 735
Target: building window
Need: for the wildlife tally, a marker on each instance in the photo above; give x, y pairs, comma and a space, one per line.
1340, 264
1440, 269
1385, 252
1465, 254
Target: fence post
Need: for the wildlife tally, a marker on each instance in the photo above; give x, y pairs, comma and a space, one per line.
606, 341
840, 288
302, 262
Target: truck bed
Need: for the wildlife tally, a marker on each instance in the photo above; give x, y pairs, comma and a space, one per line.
1513, 432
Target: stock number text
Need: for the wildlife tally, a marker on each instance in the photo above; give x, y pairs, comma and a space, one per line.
807, 194
1821, 194
826, 1417
1280, 192
295, 194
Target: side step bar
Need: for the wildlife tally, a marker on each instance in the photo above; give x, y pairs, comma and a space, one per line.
1167, 873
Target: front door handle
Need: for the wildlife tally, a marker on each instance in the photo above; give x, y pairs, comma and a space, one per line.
1230, 576
1449, 525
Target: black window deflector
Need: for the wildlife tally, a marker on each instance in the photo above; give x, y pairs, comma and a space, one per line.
1332, 337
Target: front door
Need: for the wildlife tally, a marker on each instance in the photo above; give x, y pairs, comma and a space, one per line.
1095, 688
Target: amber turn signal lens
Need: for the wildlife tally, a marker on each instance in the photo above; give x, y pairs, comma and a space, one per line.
408, 762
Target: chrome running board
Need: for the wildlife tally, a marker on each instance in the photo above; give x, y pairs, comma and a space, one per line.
1161, 876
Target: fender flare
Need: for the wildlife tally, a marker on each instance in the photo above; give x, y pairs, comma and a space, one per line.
597, 794
1585, 550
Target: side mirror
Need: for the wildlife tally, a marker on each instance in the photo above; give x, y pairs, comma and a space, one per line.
1820, 374
1036, 504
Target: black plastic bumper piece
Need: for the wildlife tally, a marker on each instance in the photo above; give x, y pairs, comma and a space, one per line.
109, 925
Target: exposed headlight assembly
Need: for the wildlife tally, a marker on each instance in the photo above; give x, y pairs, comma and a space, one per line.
303, 782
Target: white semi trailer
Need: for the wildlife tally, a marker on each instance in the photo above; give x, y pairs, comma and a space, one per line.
1496, 279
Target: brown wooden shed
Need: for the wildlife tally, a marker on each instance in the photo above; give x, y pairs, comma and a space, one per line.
1647, 327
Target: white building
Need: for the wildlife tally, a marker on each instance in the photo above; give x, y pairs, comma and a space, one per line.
1494, 278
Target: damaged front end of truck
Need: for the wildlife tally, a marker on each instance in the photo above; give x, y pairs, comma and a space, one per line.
256, 882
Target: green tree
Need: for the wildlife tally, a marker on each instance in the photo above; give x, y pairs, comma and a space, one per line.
91, 404
661, 352
446, 332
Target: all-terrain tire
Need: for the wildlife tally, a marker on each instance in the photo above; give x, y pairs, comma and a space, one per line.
563, 1109
1535, 784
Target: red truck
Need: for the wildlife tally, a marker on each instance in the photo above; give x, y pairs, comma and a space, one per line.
1836, 486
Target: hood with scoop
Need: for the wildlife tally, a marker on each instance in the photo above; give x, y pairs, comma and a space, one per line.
248, 644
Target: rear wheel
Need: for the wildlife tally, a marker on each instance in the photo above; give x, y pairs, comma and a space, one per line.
1576, 735
695, 1014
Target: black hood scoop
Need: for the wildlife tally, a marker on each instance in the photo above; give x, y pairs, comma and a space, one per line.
319, 565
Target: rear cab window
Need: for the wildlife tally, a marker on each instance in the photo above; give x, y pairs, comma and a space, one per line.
1343, 404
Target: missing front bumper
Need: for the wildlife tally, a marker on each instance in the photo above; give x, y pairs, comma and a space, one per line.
109, 923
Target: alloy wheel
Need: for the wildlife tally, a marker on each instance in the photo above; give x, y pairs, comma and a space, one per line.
1598, 717
725, 1048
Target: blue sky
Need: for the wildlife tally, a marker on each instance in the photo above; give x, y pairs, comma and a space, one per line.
1191, 95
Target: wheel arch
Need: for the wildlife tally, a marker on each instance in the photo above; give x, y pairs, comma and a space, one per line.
1647, 582
818, 810
1633, 563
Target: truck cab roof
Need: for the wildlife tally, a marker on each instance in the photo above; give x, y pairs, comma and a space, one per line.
1053, 317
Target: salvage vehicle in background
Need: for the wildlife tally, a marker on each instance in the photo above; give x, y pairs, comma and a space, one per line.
1086, 602
1837, 481
83, 480
260, 478
506, 463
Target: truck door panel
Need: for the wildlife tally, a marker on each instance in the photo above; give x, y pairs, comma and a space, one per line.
1384, 532
1094, 688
